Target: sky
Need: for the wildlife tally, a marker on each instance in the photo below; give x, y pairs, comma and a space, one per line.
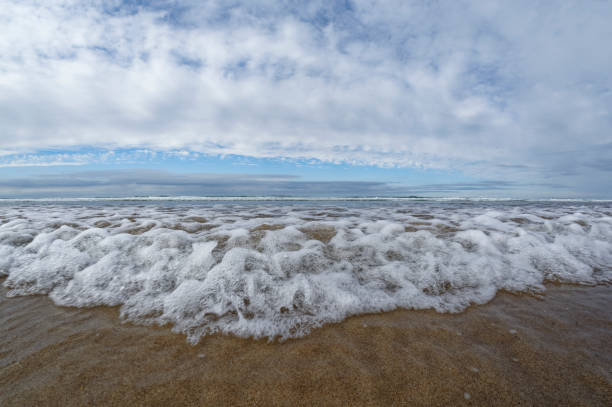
348, 98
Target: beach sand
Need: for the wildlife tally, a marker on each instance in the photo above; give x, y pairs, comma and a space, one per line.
517, 350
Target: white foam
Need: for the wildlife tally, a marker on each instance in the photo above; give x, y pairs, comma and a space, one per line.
278, 271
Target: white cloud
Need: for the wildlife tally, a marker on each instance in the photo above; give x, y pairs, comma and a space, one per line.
406, 83
50, 159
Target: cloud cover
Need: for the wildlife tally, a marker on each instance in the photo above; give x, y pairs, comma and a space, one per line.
510, 89
135, 182
142, 182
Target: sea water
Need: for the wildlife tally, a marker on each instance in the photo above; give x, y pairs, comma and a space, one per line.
279, 267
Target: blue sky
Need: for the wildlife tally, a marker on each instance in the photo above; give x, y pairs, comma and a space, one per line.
189, 97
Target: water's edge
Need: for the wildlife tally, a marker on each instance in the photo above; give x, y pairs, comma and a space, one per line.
278, 271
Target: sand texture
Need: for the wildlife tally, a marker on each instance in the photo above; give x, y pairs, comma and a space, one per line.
516, 350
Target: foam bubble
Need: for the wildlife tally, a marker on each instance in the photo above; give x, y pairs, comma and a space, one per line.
272, 271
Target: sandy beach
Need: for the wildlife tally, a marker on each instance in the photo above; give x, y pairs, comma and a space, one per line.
322, 203
517, 350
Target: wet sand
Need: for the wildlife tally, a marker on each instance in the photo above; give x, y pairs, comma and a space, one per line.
516, 350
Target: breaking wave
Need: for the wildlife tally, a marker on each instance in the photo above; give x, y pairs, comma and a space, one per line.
278, 271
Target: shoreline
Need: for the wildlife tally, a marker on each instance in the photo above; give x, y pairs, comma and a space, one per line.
517, 349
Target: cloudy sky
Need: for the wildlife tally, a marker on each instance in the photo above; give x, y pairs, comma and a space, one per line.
361, 97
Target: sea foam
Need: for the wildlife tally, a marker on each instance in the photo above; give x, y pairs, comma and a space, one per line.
278, 271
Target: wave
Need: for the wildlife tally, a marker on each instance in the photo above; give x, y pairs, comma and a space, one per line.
280, 271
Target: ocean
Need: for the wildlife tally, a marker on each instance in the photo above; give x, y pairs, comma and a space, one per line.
277, 268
